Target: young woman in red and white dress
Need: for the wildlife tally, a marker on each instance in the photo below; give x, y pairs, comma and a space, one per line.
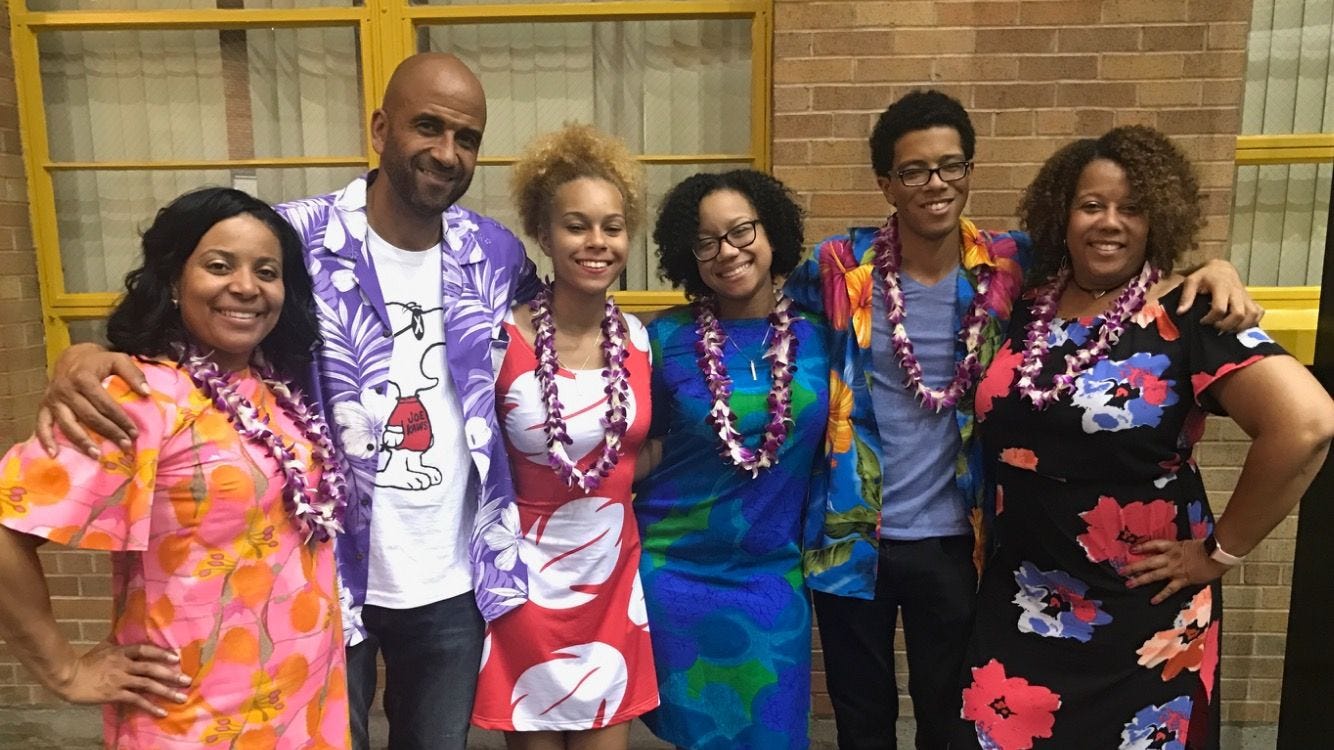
573, 665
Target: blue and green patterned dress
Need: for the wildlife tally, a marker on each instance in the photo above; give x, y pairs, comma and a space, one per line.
721, 564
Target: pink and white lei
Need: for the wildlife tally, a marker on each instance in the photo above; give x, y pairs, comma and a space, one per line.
315, 510
781, 354
888, 256
1037, 338
617, 387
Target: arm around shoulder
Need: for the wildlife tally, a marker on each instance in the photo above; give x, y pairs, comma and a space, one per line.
76, 402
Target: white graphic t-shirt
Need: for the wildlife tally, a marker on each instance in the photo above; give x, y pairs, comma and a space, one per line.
425, 481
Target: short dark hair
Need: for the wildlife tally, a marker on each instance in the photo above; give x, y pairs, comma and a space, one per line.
918, 110
677, 227
147, 323
1161, 180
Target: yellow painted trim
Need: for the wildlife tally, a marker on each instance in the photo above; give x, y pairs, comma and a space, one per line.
371, 88
654, 159
68, 302
1301, 148
761, 77
204, 18
1291, 317
1275, 297
1294, 140
280, 162
610, 11
41, 191
648, 301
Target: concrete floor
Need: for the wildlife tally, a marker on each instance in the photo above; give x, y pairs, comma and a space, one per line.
79, 728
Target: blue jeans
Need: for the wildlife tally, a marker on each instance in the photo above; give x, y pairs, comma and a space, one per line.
431, 657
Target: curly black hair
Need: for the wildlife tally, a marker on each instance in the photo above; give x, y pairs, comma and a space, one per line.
1161, 180
918, 110
677, 227
147, 323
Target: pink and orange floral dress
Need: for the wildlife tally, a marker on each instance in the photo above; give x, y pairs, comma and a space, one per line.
206, 563
1063, 654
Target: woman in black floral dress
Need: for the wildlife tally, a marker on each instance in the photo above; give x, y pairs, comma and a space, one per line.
1098, 618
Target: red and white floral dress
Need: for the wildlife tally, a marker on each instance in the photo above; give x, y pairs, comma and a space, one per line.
1063, 654
577, 655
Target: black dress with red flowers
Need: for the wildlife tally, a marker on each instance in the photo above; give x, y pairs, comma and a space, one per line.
1064, 654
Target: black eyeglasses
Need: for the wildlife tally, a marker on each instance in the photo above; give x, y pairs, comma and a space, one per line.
739, 236
919, 176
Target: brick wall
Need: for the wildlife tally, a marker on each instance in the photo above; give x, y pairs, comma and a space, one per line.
21, 339
1036, 74
23, 374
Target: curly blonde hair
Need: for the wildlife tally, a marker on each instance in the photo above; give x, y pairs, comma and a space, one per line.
572, 152
1161, 179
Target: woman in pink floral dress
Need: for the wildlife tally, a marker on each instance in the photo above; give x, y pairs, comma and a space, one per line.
226, 630
572, 666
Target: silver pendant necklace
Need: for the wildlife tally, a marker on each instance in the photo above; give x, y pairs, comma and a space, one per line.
754, 376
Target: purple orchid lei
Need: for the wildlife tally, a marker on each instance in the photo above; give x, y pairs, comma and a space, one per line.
782, 355
315, 510
1037, 339
616, 379
888, 256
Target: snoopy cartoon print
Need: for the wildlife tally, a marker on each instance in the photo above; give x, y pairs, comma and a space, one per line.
408, 433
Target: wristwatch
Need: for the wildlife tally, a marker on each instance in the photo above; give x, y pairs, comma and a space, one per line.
1218, 554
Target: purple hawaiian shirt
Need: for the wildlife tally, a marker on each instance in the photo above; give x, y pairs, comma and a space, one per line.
483, 269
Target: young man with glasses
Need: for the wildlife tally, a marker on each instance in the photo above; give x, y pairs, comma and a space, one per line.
921, 302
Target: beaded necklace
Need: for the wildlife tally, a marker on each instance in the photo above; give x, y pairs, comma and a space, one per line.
617, 387
781, 354
315, 510
888, 257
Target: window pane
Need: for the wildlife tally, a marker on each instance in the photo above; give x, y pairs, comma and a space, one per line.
100, 214
1289, 88
185, 4
665, 87
164, 95
88, 331
489, 195
1279, 223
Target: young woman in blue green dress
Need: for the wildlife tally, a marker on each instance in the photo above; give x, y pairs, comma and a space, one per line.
740, 397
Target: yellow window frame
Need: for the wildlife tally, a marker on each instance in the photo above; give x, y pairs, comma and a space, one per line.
1292, 310
387, 29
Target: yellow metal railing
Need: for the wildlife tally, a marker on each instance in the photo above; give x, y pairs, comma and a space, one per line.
1290, 317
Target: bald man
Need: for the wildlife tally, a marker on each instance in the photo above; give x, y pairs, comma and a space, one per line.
411, 291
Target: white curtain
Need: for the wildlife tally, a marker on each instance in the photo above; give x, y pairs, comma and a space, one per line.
664, 87
1281, 212
163, 95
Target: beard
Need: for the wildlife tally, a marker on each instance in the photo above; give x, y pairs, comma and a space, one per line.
405, 177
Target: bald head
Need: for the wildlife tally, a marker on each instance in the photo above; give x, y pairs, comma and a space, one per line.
427, 132
439, 75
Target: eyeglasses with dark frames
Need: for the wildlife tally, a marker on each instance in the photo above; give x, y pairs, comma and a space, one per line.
919, 176
739, 236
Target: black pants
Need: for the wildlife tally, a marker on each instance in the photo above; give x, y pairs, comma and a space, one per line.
933, 582
431, 657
